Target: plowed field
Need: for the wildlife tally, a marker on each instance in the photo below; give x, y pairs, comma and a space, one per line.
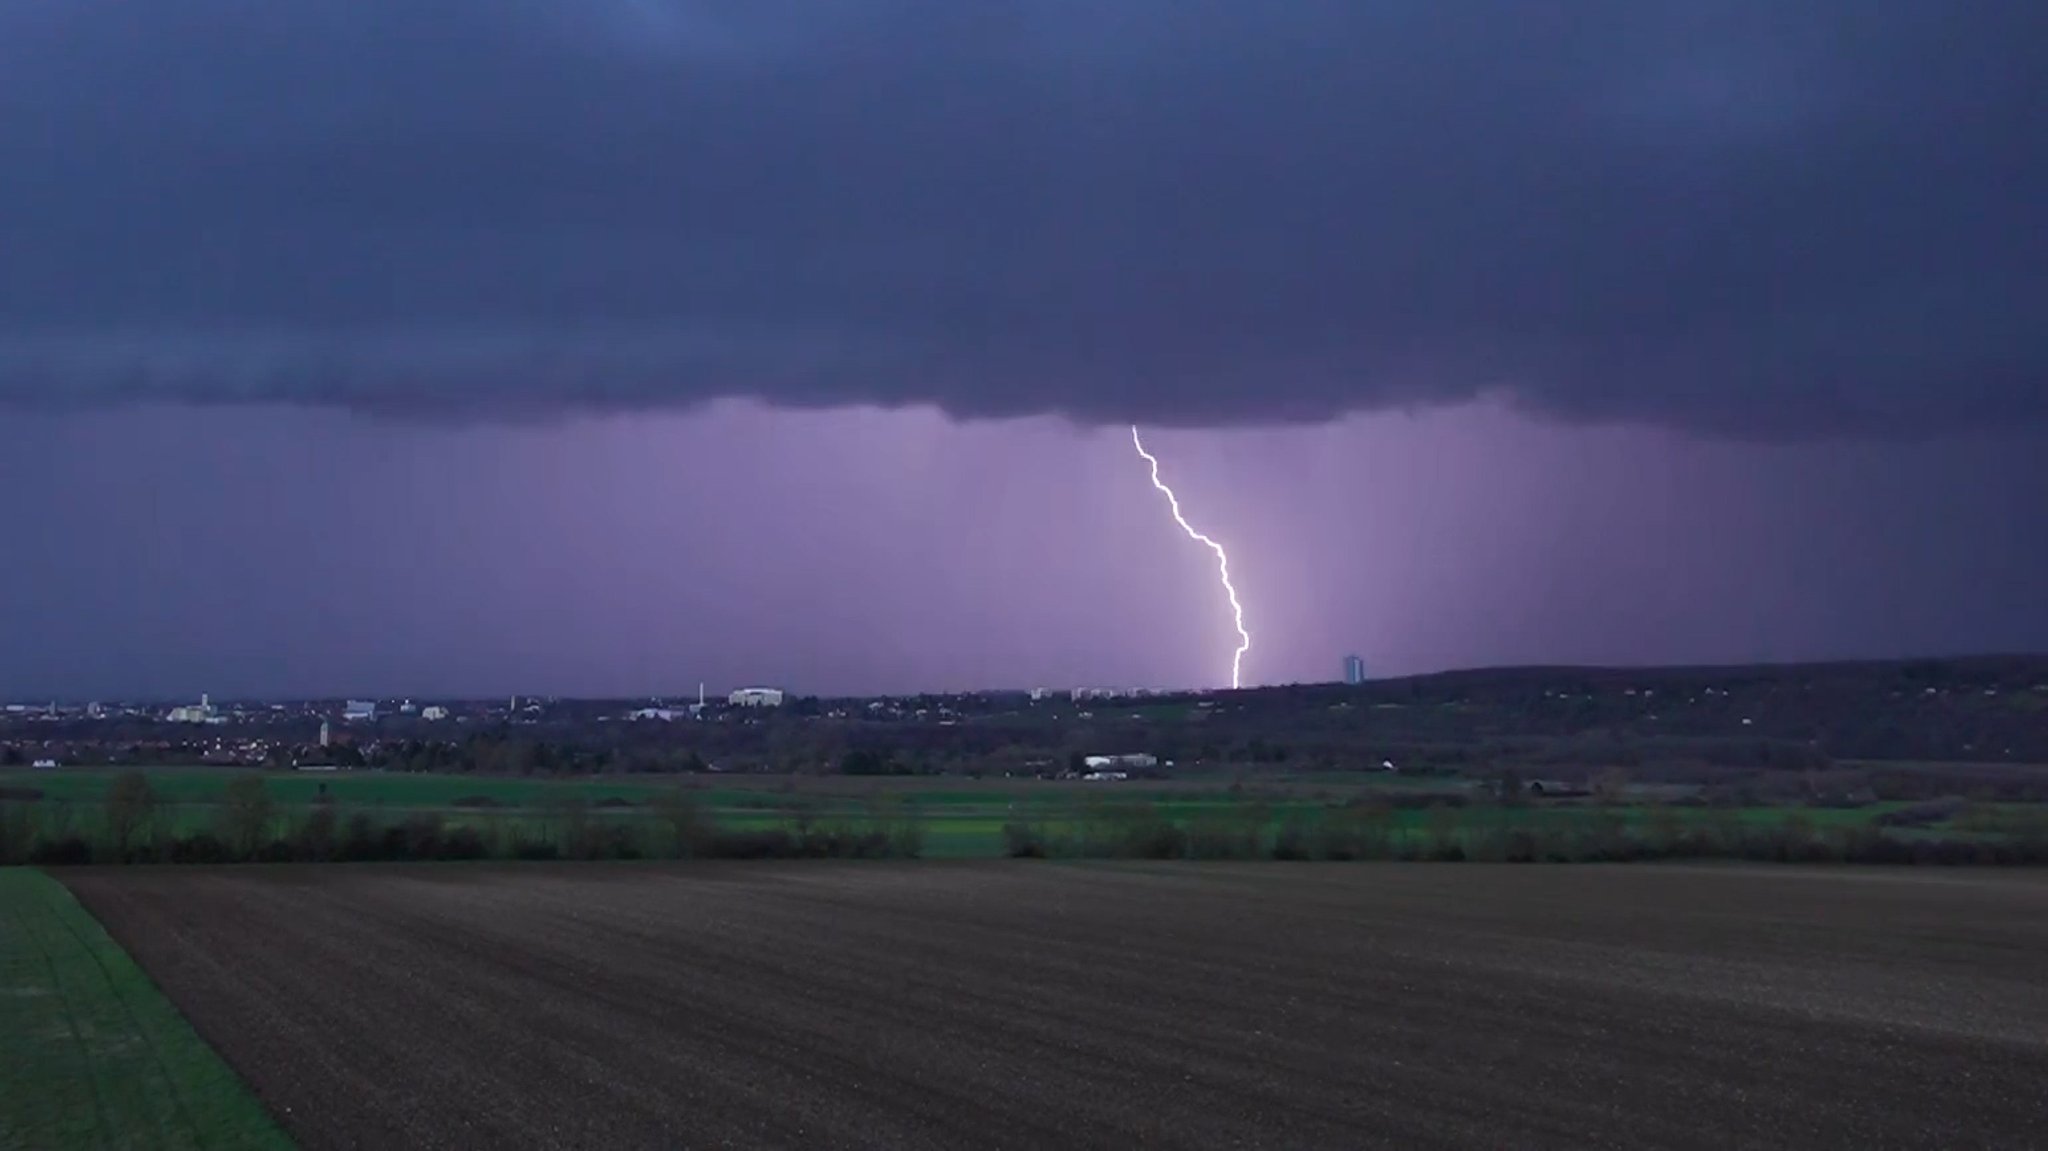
1010, 1005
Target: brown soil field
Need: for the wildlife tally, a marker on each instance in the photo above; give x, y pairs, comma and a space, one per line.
1023, 1004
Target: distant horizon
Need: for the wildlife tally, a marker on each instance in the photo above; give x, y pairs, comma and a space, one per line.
715, 693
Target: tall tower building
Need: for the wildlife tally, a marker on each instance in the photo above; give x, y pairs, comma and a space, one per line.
1354, 670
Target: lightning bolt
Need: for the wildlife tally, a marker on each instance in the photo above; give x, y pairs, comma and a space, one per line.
1244, 638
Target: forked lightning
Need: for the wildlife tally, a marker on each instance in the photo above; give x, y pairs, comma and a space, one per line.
1244, 638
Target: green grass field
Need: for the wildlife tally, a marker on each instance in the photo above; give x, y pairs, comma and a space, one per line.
91, 1055
205, 784
960, 817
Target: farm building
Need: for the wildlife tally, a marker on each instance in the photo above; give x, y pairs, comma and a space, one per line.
1104, 762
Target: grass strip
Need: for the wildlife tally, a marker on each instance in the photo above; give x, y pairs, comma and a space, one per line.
91, 1053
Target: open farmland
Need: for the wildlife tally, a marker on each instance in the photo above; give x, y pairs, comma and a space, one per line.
1031, 1004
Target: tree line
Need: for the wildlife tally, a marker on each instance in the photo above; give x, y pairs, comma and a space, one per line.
247, 825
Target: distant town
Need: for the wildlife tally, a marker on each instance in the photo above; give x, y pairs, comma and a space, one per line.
345, 734
1545, 723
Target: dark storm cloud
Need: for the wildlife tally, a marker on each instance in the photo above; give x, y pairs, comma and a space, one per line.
1748, 217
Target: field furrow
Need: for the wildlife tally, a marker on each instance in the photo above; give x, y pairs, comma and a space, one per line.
1110, 1005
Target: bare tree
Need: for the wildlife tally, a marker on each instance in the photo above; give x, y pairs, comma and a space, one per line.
247, 815
130, 805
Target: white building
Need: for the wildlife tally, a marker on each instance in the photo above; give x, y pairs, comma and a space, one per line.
1081, 693
201, 712
433, 712
1102, 762
756, 697
360, 709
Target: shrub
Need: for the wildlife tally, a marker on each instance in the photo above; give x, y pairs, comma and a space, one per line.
906, 838
1521, 846
1291, 842
18, 832
1156, 840
1443, 828
842, 843
615, 841
61, 851
690, 833
359, 840
770, 844
277, 851
201, 847
900, 826
315, 839
1218, 838
1926, 814
462, 843
1023, 841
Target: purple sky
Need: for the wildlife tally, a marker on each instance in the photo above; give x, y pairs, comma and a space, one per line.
167, 551
604, 346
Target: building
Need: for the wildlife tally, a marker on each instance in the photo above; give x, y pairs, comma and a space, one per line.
433, 713
1079, 694
360, 710
201, 712
756, 697
326, 734
1354, 670
1101, 762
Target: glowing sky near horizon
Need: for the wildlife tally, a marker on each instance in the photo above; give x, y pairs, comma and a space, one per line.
281, 551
